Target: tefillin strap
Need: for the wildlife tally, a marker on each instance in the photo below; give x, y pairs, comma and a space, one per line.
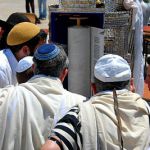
117, 113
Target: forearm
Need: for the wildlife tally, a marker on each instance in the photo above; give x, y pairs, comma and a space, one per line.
50, 145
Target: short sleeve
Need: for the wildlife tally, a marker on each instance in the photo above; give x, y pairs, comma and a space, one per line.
68, 130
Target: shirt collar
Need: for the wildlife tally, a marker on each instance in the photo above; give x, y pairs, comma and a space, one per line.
42, 75
12, 62
11, 59
110, 92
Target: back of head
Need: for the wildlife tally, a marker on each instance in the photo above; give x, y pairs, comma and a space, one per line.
24, 64
16, 18
112, 70
50, 60
21, 34
24, 69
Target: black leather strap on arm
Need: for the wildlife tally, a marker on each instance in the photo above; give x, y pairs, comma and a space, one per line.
56, 141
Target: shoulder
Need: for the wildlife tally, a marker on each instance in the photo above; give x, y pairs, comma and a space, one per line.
75, 96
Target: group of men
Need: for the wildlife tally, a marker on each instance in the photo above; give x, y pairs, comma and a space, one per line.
28, 109
41, 109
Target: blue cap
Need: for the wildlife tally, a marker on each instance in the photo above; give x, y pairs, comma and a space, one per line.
46, 52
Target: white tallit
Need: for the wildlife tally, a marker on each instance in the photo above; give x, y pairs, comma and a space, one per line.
99, 123
27, 112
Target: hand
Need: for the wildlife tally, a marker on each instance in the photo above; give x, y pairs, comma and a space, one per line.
50, 145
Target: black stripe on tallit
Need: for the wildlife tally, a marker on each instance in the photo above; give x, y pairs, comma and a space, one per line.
70, 132
71, 119
65, 141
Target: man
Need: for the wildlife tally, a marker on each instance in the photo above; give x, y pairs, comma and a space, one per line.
29, 109
24, 69
30, 4
113, 119
22, 41
42, 5
137, 25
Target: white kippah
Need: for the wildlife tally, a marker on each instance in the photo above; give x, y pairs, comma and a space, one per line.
24, 64
112, 68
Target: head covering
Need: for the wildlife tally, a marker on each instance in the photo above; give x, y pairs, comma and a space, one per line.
46, 52
21, 33
112, 68
24, 64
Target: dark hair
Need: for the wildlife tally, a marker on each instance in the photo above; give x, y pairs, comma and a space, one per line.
12, 20
24, 76
103, 86
43, 34
52, 67
16, 18
32, 44
148, 60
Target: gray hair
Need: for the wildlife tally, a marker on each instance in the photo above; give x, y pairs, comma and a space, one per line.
52, 67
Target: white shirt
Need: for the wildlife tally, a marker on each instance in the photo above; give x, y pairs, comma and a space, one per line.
7, 68
137, 22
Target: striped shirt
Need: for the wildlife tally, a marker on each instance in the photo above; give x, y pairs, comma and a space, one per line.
68, 130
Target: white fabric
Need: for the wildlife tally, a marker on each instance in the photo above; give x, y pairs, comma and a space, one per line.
138, 72
24, 64
146, 12
131, 4
79, 54
7, 68
138, 44
112, 68
101, 134
27, 112
88, 126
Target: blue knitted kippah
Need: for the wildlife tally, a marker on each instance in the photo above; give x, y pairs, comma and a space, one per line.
46, 52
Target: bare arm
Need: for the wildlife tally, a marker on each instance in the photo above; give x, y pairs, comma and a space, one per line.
50, 145
66, 134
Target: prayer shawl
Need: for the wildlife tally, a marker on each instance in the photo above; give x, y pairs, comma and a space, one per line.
27, 112
99, 123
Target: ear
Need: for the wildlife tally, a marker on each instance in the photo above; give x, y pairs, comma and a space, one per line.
26, 50
23, 52
33, 67
132, 87
93, 87
63, 74
1, 32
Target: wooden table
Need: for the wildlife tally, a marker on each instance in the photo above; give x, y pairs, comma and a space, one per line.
146, 29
